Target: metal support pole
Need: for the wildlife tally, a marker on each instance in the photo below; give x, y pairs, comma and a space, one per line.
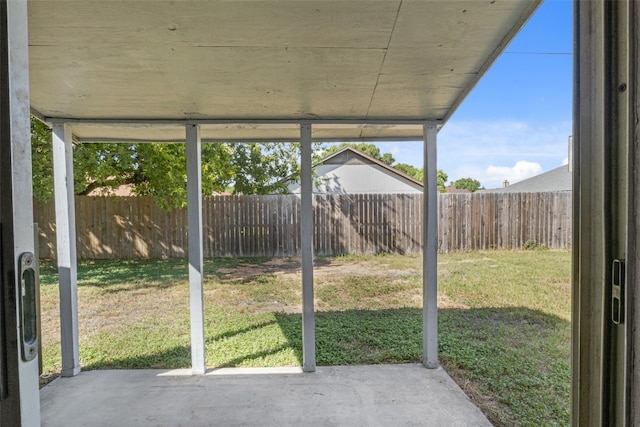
194, 215
306, 225
66, 247
430, 250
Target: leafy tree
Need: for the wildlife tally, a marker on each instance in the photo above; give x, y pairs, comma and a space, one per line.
95, 165
262, 168
467, 183
102, 165
159, 169
366, 148
41, 160
419, 174
442, 179
410, 170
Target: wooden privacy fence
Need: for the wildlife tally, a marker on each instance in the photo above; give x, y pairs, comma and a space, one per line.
135, 227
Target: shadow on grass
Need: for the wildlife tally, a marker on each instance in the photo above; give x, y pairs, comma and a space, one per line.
241, 360
239, 331
155, 273
170, 358
395, 335
104, 273
143, 272
513, 362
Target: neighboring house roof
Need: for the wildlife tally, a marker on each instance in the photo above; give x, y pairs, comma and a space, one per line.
452, 189
350, 171
124, 190
558, 179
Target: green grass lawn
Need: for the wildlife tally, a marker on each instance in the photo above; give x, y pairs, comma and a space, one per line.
504, 320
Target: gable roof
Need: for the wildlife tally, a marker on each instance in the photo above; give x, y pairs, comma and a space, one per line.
350, 155
558, 179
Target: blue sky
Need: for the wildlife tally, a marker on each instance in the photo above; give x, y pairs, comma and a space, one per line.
516, 121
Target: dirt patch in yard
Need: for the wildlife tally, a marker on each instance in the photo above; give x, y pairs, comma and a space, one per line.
334, 272
291, 268
249, 271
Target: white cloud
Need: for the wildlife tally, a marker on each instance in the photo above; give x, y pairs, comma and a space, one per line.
493, 176
565, 161
476, 148
481, 149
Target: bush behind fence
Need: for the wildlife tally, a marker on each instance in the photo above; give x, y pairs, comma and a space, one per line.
135, 227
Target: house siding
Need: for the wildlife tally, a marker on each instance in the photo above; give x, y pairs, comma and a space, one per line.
358, 179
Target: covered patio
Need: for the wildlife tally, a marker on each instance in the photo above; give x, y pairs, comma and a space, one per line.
378, 395
208, 71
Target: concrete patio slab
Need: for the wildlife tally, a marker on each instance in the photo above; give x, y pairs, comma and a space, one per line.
379, 395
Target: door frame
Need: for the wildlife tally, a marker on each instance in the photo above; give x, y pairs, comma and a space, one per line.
19, 393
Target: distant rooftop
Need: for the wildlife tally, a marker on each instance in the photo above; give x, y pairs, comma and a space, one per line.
452, 189
558, 179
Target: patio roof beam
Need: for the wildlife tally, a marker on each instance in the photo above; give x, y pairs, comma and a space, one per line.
430, 250
278, 130
246, 140
194, 218
162, 122
62, 148
306, 233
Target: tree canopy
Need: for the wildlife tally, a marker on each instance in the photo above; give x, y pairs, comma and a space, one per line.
159, 169
410, 170
41, 160
467, 183
442, 179
418, 174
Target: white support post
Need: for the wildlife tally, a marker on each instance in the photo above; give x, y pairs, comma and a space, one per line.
430, 250
66, 247
306, 232
194, 215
